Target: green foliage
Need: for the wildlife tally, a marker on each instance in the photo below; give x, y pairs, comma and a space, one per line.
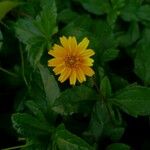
1, 39
36, 33
118, 146
65, 140
50, 85
136, 97
97, 114
142, 60
77, 99
29, 126
97, 7
6, 6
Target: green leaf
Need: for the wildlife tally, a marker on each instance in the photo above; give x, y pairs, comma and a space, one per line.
114, 133
34, 108
65, 140
98, 120
142, 60
97, 7
129, 37
114, 12
76, 99
144, 12
50, 85
134, 100
118, 146
129, 12
29, 126
36, 33
109, 55
105, 87
1, 38
6, 6
104, 123
80, 30
67, 15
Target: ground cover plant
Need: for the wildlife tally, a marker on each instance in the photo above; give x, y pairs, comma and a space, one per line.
75, 74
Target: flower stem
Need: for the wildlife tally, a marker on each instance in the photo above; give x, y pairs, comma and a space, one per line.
15, 147
8, 72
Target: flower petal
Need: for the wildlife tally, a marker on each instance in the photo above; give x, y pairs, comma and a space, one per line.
64, 42
58, 69
54, 62
73, 77
58, 51
88, 61
83, 44
64, 75
80, 75
88, 71
88, 53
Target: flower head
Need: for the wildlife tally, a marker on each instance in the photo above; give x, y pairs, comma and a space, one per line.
71, 60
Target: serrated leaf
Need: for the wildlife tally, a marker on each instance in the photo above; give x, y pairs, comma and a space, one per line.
65, 140
129, 12
105, 87
29, 126
6, 6
109, 55
104, 123
36, 33
134, 100
51, 88
77, 99
34, 108
97, 7
79, 30
67, 15
131, 36
142, 60
118, 146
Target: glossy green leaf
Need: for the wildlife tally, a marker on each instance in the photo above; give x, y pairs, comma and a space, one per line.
104, 123
142, 60
97, 7
65, 140
109, 55
76, 99
36, 33
34, 108
28, 125
134, 100
50, 85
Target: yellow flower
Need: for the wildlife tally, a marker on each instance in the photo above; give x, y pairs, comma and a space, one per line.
71, 60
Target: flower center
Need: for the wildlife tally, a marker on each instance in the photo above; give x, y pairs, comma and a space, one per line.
72, 61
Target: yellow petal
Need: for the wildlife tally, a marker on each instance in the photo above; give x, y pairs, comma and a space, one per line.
88, 61
83, 44
88, 53
64, 42
58, 69
80, 75
58, 51
55, 61
88, 71
73, 77
64, 75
